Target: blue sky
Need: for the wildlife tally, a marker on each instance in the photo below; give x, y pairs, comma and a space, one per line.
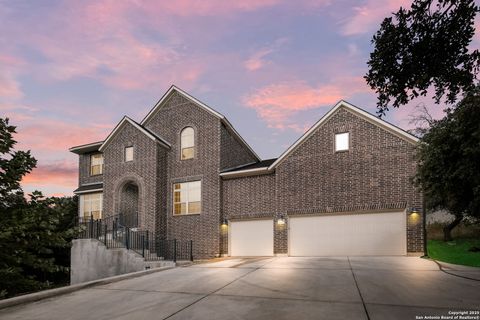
70, 70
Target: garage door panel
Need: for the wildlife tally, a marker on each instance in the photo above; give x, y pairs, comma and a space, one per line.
251, 238
359, 234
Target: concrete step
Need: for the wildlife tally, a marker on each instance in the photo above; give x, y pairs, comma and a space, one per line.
159, 264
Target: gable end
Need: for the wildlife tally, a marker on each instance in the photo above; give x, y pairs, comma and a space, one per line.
356, 111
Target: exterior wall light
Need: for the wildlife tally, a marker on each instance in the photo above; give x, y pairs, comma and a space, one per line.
224, 223
414, 211
281, 220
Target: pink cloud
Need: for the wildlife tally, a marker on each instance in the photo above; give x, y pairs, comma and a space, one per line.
9, 87
57, 174
49, 141
47, 135
402, 116
100, 40
257, 59
8, 60
277, 103
207, 8
367, 18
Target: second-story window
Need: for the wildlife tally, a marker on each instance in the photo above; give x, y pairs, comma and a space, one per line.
342, 141
96, 164
187, 143
128, 154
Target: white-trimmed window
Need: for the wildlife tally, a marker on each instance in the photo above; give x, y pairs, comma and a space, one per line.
96, 164
91, 205
128, 154
187, 197
187, 143
342, 141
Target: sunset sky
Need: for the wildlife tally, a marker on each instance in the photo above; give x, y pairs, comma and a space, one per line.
70, 70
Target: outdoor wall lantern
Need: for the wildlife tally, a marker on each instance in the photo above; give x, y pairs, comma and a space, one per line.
281, 220
414, 211
224, 223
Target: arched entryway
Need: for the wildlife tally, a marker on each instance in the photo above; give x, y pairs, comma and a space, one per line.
129, 206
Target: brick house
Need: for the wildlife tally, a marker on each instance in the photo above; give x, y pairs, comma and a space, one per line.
184, 172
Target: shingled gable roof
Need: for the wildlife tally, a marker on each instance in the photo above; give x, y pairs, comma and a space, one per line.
145, 131
357, 111
202, 105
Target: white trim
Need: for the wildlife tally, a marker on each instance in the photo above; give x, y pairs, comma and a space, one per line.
186, 95
84, 146
90, 191
367, 116
202, 105
90, 183
136, 125
248, 172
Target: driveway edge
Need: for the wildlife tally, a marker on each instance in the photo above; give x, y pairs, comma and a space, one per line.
68, 289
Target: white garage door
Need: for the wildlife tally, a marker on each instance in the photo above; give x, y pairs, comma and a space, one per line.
251, 238
354, 235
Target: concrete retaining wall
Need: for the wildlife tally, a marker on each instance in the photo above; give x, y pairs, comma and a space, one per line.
91, 260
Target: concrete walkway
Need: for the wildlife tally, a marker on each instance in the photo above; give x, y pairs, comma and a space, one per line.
274, 288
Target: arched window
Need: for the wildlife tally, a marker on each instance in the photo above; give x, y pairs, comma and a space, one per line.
187, 143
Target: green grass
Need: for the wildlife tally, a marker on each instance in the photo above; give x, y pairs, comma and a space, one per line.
455, 251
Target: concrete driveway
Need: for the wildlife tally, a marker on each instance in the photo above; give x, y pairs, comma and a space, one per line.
273, 288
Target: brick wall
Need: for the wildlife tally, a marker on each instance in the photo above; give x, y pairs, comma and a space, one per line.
233, 153
247, 198
142, 172
84, 176
374, 174
168, 121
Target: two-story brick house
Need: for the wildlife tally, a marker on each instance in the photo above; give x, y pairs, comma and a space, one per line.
344, 188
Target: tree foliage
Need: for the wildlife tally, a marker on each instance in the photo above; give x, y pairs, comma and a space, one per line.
449, 161
35, 234
424, 47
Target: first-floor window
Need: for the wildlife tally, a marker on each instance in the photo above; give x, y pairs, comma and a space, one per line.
91, 205
187, 197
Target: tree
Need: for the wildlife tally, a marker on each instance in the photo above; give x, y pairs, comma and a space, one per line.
13, 166
424, 47
449, 162
35, 234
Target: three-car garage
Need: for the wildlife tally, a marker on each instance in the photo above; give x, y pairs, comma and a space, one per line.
367, 234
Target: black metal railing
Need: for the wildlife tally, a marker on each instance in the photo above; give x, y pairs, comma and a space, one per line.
149, 245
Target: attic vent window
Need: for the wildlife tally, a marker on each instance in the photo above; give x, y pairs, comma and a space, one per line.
128, 154
342, 141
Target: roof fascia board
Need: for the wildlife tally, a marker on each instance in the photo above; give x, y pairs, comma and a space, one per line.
245, 173
362, 113
85, 146
89, 191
